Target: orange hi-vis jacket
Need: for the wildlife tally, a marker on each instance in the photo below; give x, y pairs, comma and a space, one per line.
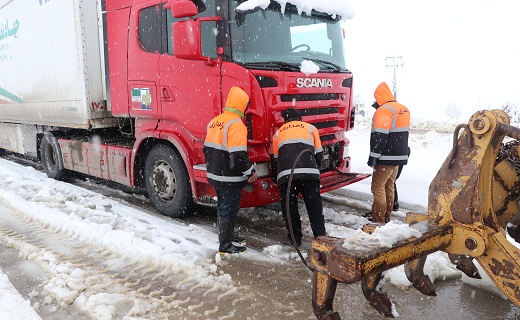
288, 141
390, 130
225, 147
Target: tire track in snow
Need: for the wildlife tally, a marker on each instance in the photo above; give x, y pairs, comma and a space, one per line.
78, 275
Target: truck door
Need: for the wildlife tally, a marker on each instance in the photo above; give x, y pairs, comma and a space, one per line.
189, 90
144, 47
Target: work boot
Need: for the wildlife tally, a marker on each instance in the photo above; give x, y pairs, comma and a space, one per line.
230, 248
225, 236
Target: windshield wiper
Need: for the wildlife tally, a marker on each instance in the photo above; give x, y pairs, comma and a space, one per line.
272, 65
329, 64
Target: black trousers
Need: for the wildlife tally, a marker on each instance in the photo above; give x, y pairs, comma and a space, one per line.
310, 191
396, 197
228, 202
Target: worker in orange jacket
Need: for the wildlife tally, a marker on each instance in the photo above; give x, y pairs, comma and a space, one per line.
289, 140
388, 149
228, 165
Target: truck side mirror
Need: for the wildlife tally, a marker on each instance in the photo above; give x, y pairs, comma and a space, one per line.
182, 8
186, 39
187, 43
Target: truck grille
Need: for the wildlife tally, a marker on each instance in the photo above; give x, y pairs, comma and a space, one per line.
309, 97
318, 111
324, 117
328, 113
325, 124
326, 137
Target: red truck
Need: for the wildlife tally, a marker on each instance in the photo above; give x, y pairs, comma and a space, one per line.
123, 89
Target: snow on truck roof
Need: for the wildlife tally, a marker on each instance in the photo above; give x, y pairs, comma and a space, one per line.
341, 8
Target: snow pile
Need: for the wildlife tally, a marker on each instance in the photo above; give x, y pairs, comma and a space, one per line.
383, 237
308, 67
13, 306
438, 267
284, 253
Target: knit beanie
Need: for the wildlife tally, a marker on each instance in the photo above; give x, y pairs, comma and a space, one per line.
291, 114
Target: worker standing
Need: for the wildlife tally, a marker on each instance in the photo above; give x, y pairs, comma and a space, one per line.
388, 150
228, 165
290, 139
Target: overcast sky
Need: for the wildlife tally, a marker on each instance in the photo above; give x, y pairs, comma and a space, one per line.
464, 52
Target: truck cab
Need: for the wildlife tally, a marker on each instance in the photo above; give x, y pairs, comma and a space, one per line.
183, 57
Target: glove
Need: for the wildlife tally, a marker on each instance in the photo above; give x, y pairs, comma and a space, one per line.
252, 178
372, 162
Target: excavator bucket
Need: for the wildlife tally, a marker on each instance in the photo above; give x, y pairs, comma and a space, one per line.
471, 201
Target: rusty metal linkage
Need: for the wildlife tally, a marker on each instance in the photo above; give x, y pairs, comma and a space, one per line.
470, 187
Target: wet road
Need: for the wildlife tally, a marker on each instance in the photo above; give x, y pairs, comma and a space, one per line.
290, 286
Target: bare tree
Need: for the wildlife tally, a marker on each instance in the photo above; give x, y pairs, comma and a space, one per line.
511, 109
452, 110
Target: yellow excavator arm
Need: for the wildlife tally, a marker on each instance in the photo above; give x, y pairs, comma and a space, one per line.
471, 202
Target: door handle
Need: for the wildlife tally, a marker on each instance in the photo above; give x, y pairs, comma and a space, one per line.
167, 94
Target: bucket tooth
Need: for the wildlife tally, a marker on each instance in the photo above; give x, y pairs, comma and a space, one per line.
415, 274
466, 265
324, 289
378, 299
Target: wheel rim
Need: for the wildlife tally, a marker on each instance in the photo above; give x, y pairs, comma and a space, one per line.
164, 181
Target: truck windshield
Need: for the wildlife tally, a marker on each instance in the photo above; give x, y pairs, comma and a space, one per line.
270, 39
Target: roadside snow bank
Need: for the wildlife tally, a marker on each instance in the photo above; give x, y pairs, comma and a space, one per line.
14, 306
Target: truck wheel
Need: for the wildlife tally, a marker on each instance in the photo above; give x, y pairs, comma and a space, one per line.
52, 161
167, 182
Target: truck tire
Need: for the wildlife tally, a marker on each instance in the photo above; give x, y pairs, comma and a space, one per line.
167, 182
52, 160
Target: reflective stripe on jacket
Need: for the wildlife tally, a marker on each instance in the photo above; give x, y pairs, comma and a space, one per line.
289, 140
225, 147
390, 130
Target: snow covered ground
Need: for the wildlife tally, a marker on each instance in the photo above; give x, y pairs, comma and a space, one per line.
179, 248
